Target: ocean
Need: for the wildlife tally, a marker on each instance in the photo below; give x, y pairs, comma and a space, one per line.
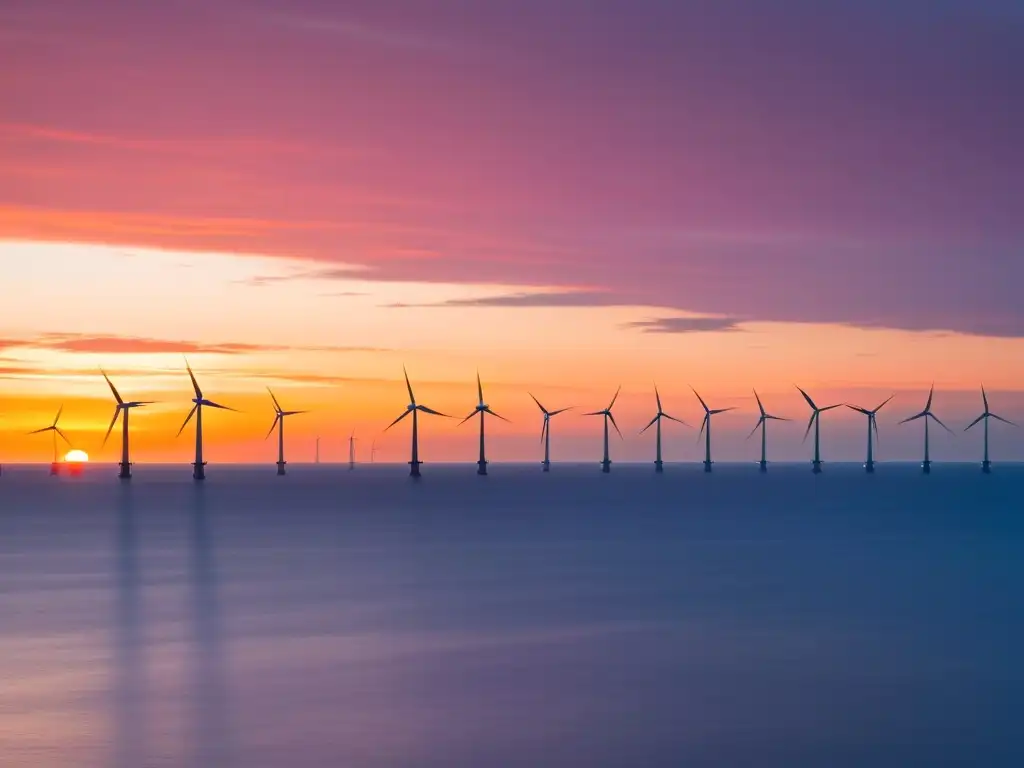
336, 618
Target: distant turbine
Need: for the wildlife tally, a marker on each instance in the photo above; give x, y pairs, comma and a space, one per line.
656, 422
122, 408
279, 417
352, 451
762, 424
414, 409
606, 462
869, 465
545, 431
705, 429
373, 451
927, 414
986, 465
815, 422
56, 430
481, 410
199, 466
317, 460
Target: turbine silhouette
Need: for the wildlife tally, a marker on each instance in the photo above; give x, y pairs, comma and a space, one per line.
482, 410
56, 430
199, 402
815, 422
352, 451
656, 422
279, 417
705, 428
926, 414
762, 424
545, 431
414, 408
869, 464
986, 465
120, 408
606, 462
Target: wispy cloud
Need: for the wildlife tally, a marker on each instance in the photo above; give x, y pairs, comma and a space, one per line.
136, 345
524, 299
687, 324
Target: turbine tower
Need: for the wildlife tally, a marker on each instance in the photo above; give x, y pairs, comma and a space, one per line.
815, 422
352, 451
481, 410
705, 429
656, 422
122, 408
606, 462
545, 431
986, 465
762, 424
869, 465
373, 451
56, 430
414, 408
199, 466
927, 414
279, 417
317, 459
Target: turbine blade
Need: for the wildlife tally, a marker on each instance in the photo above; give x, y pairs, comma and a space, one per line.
756, 427
561, 410
657, 397
858, 409
931, 394
808, 399
1000, 418
212, 404
701, 400
759, 406
776, 418
885, 402
829, 408
677, 421
543, 430
616, 397
62, 436
471, 415
704, 423
915, 418
273, 426
195, 384
412, 397
874, 423
187, 420
112, 388
650, 424
404, 414
595, 413
496, 415
612, 418
60, 411
939, 422
980, 418
117, 412
542, 408
809, 425
431, 411
277, 405
722, 410
479, 389
984, 397
40, 431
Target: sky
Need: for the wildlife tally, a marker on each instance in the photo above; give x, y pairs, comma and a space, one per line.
565, 196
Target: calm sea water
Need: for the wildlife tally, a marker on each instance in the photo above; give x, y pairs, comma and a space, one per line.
358, 619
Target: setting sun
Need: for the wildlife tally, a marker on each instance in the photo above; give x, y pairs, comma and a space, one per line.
76, 457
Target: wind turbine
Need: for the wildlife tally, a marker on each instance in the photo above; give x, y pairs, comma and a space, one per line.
927, 414
373, 451
414, 408
869, 465
606, 463
122, 408
317, 459
352, 451
986, 465
762, 424
545, 431
199, 466
815, 422
481, 410
56, 430
279, 417
705, 429
656, 422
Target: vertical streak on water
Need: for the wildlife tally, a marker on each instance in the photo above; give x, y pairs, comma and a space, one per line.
210, 729
128, 661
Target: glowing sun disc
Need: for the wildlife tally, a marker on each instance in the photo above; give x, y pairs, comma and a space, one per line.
76, 457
